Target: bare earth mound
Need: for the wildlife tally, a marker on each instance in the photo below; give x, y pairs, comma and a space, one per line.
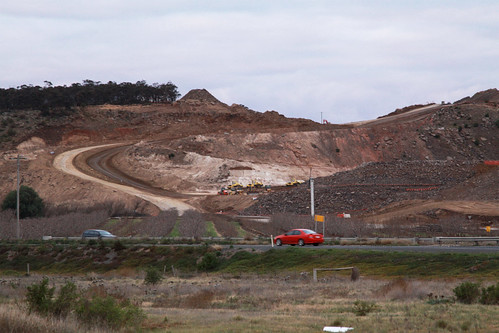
197, 145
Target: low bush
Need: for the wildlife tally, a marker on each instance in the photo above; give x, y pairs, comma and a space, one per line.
106, 311
153, 276
467, 292
209, 262
39, 297
96, 311
64, 302
490, 295
362, 308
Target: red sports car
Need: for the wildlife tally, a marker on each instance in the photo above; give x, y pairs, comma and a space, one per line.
300, 237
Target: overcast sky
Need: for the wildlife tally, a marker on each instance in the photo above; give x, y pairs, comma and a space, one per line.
349, 60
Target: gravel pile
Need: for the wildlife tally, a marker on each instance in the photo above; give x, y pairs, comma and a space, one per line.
369, 187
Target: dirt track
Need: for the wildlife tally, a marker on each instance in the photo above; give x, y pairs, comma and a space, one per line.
412, 115
418, 206
64, 162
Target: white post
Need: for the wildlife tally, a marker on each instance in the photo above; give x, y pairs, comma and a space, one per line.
272, 240
312, 208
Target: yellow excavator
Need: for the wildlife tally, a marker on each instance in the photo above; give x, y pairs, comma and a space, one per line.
254, 184
294, 182
235, 186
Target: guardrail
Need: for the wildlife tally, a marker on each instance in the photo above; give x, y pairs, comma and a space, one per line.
475, 240
327, 240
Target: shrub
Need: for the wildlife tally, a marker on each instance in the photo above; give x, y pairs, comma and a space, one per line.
65, 301
490, 295
98, 310
497, 123
361, 308
39, 297
30, 203
108, 312
153, 276
209, 262
467, 292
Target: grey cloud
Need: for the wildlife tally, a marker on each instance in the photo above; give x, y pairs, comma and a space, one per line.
348, 60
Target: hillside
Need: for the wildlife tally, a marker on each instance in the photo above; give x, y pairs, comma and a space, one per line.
197, 144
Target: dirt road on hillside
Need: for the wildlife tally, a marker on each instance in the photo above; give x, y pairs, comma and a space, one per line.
64, 162
412, 115
406, 208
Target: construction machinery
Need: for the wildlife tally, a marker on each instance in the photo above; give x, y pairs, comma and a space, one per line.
223, 191
235, 186
238, 188
294, 182
254, 184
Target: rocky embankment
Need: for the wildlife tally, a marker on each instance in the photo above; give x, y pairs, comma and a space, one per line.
370, 187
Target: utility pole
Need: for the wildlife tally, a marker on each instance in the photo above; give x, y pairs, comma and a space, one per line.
312, 207
18, 227
18, 230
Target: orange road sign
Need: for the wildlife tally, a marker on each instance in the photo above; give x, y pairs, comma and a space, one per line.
319, 218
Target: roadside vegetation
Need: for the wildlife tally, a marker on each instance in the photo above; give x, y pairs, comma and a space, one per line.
209, 289
80, 257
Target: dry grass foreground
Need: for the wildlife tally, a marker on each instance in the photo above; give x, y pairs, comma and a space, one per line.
253, 303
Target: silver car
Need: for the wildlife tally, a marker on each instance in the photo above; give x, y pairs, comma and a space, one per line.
97, 233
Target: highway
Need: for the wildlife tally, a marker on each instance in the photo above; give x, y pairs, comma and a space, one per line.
385, 248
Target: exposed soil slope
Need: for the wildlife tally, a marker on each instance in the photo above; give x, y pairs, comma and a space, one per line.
198, 144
